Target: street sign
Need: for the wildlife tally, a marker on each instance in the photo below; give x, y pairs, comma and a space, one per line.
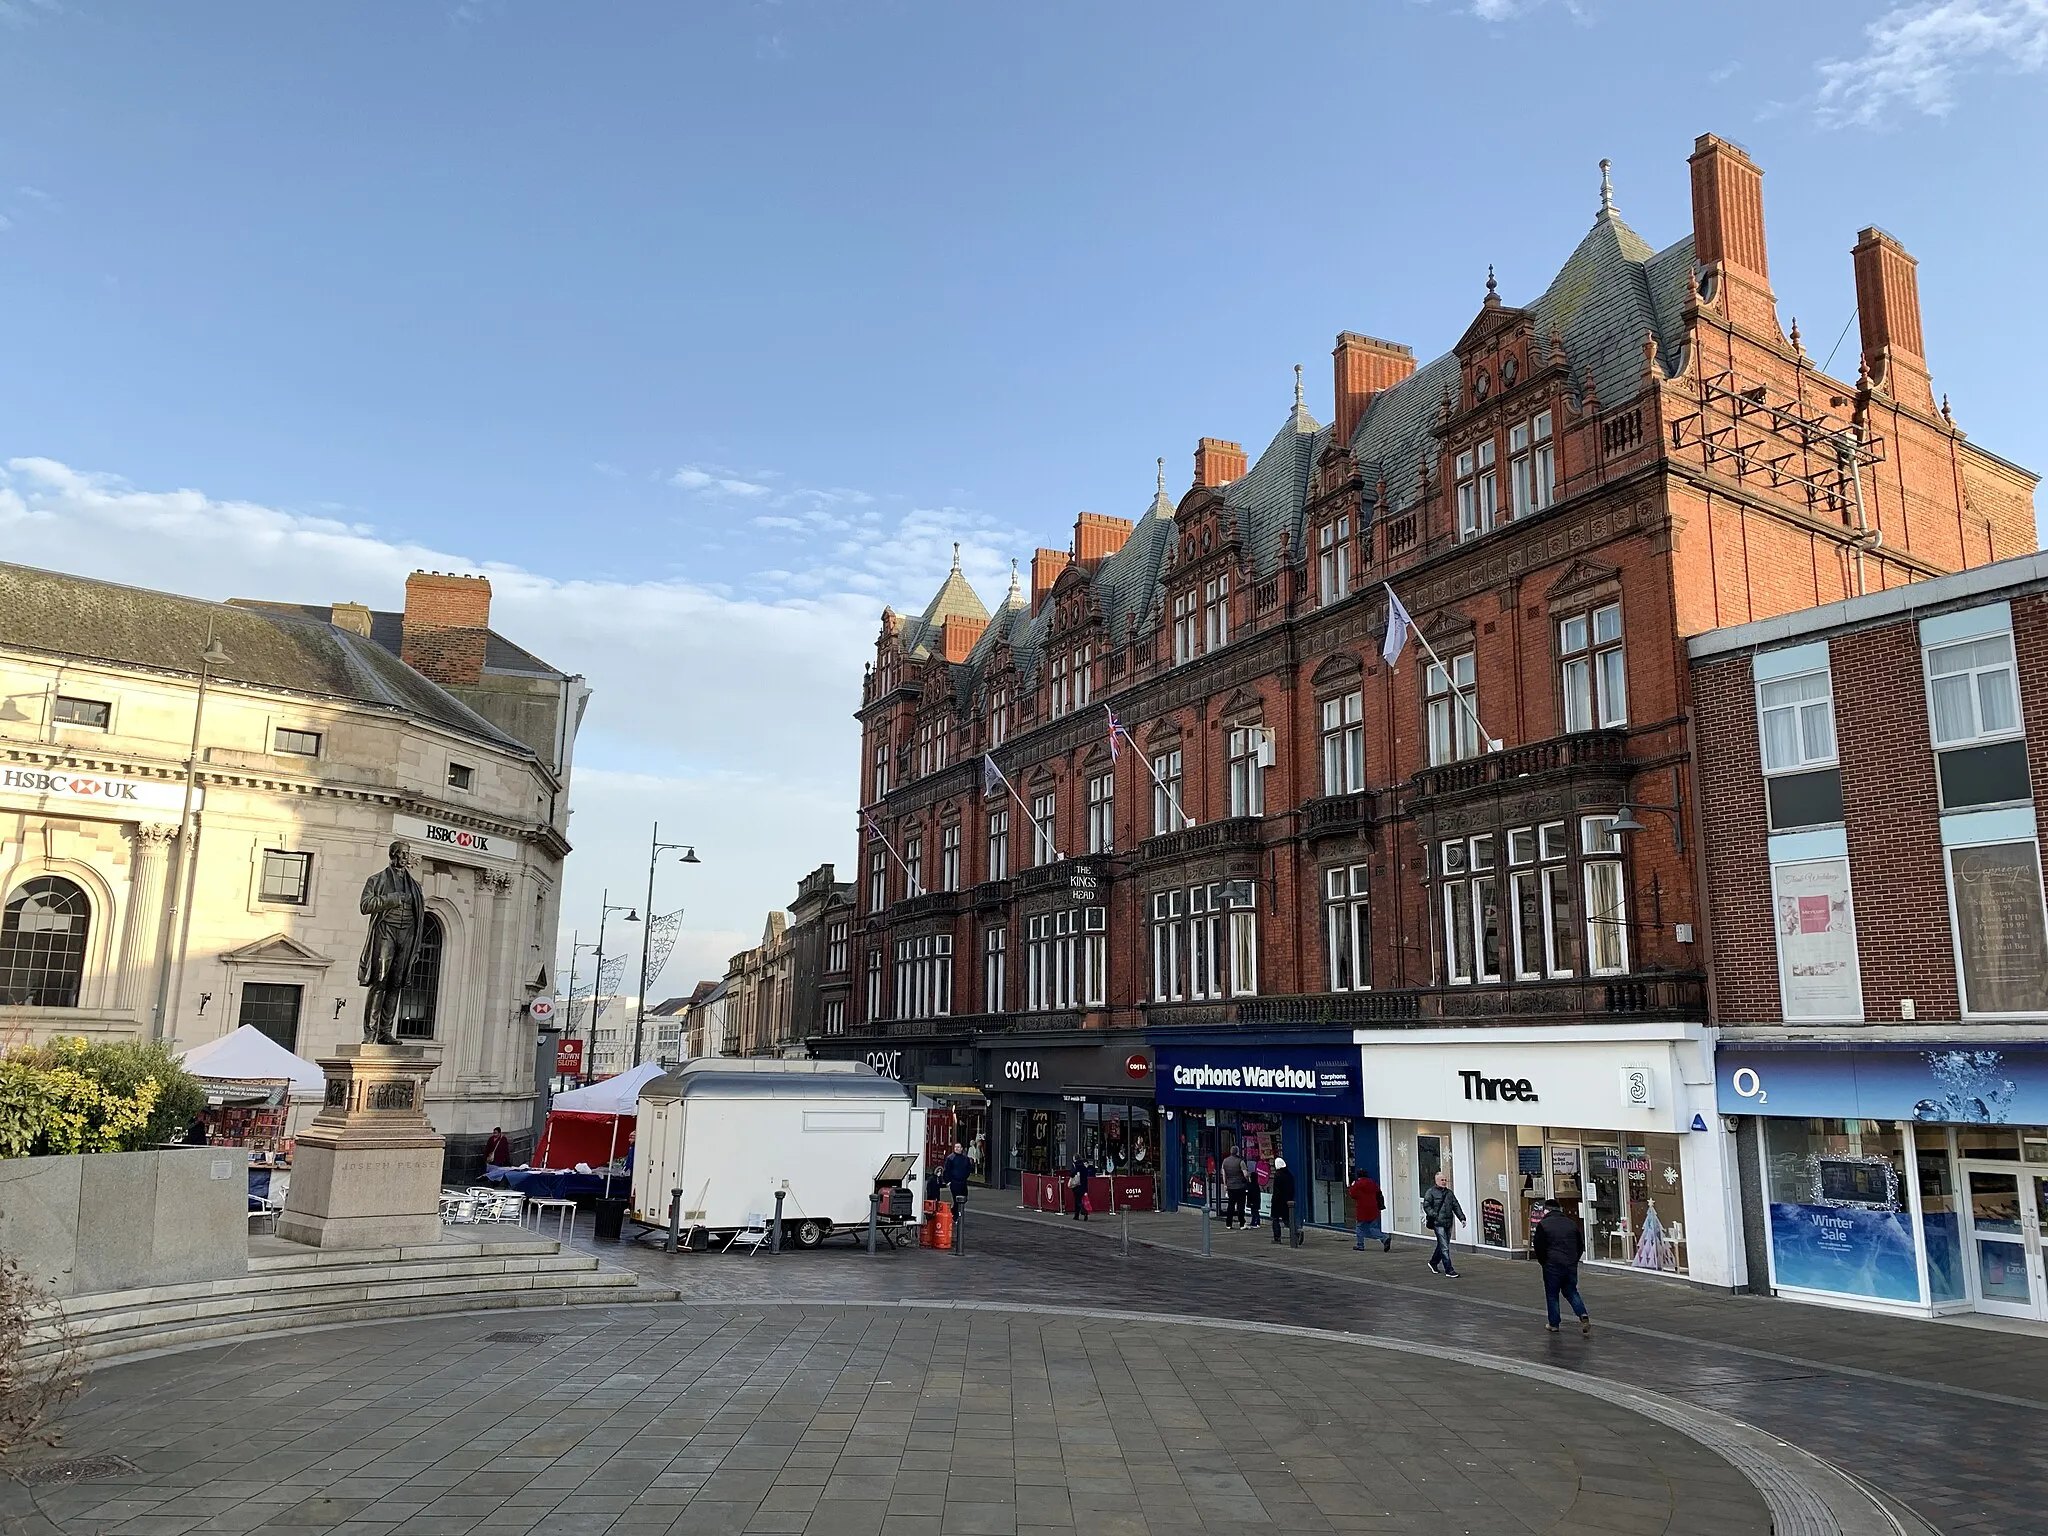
542, 1009
569, 1058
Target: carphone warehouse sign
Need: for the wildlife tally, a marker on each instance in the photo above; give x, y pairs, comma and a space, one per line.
1303, 1080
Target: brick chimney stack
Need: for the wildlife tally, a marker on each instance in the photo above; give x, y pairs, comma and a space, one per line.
1046, 565
353, 617
1728, 232
1888, 314
447, 624
958, 634
1097, 537
1218, 462
1365, 366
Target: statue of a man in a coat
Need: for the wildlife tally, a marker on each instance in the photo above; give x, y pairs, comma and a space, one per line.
397, 910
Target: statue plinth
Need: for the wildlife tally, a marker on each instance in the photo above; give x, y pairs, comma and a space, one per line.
367, 1172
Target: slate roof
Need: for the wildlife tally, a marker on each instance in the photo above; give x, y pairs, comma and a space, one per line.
58, 614
1609, 292
388, 630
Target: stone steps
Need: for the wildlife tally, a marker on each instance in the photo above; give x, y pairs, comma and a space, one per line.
287, 1289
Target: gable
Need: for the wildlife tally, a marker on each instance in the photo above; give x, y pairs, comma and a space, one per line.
278, 949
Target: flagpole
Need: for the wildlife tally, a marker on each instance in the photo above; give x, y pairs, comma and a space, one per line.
1179, 816
1029, 821
917, 885
1492, 745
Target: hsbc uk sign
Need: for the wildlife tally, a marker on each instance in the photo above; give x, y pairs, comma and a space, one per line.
457, 842
96, 788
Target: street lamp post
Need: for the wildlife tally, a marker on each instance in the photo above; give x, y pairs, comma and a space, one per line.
603, 916
655, 850
182, 863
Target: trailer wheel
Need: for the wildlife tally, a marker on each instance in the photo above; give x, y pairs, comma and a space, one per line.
809, 1234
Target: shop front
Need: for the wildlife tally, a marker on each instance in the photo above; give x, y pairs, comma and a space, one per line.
1057, 1104
943, 1077
1616, 1125
1894, 1176
1295, 1097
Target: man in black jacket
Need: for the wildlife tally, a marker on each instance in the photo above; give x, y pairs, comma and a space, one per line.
1559, 1245
1441, 1212
1281, 1196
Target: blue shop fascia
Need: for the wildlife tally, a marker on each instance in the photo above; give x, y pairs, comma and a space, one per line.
1265, 1095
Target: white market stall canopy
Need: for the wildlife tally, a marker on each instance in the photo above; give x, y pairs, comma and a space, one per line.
249, 1055
614, 1096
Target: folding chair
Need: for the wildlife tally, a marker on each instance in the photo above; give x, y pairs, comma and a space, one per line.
754, 1234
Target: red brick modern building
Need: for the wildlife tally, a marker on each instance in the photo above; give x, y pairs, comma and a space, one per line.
1870, 789
1300, 852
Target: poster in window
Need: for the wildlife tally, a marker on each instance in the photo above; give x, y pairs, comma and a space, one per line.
2000, 932
1816, 923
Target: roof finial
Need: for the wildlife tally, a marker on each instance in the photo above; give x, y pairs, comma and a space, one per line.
1015, 590
1947, 415
956, 554
1606, 187
1162, 475
1297, 387
1492, 287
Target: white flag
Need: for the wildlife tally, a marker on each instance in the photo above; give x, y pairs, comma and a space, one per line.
1398, 625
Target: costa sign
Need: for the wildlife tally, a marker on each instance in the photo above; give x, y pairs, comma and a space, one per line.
89, 788
440, 837
1137, 1067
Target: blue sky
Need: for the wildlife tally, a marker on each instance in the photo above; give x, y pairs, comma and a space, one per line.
707, 327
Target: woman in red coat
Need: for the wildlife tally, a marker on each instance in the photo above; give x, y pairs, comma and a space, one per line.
1366, 1205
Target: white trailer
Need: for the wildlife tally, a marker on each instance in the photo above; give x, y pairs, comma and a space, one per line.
729, 1133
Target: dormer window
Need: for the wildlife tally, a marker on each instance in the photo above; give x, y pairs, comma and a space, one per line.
1333, 561
1478, 490
1071, 686
1532, 465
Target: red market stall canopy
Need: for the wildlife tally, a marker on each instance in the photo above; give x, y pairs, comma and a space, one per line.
591, 1125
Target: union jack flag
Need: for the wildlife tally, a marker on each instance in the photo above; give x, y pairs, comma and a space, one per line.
1115, 729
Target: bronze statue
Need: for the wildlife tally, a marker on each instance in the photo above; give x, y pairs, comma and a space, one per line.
397, 910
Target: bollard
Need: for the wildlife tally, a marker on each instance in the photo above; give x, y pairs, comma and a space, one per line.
675, 1218
874, 1219
775, 1237
1294, 1224
1127, 1234
959, 1227
1207, 1214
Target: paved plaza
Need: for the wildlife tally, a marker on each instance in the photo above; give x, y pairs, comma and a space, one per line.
989, 1392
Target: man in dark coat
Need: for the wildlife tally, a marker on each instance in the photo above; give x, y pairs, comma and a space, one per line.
498, 1150
1281, 1196
397, 910
1559, 1245
1442, 1213
954, 1173
1234, 1176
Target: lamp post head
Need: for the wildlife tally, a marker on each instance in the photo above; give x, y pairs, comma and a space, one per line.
1626, 821
214, 654
632, 915
690, 856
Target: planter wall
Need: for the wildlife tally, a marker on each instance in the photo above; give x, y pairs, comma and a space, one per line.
120, 1220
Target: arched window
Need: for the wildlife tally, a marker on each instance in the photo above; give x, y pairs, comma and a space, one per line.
417, 1003
42, 944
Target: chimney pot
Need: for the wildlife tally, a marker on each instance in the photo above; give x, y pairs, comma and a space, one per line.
1046, 565
1888, 315
1097, 537
1365, 366
1218, 462
447, 626
1728, 230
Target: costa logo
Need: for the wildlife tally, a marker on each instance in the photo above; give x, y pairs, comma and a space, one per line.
1136, 1066
1021, 1071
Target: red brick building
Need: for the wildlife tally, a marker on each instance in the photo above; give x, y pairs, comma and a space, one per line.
1870, 791
1302, 852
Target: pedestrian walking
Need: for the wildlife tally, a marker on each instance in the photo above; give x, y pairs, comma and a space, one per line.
1251, 1193
953, 1175
1442, 1213
1366, 1205
1281, 1195
1559, 1245
1234, 1176
1078, 1186
497, 1151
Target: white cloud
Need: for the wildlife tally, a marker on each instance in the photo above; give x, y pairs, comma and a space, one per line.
701, 477
1914, 54
725, 715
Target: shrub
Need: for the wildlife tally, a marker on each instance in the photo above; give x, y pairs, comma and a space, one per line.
77, 1096
33, 1387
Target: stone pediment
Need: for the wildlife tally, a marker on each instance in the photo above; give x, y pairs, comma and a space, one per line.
1242, 703
278, 949
1340, 667
1580, 575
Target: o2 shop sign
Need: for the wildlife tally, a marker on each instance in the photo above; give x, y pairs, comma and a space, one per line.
1515, 1090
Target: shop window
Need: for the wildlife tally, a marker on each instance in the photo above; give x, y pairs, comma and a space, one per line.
1117, 1138
999, 844
1166, 919
913, 864
1453, 707
1169, 807
2001, 935
1478, 491
1333, 561
1216, 612
272, 1008
1532, 465
1606, 906
419, 1002
42, 944
1102, 813
1344, 744
287, 877
1044, 807
1627, 1191
1593, 669
1470, 900
1348, 934
1973, 708
1248, 749
949, 857
995, 968
1839, 1220
1187, 633
93, 714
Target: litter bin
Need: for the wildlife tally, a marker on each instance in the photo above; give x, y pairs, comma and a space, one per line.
611, 1219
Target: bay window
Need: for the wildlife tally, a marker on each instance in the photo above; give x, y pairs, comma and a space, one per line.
924, 976
1606, 908
1066, 959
